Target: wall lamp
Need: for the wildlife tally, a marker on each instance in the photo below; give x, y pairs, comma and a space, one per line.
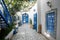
49, 4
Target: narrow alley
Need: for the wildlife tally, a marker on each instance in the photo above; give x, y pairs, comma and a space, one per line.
29, 19
25, 32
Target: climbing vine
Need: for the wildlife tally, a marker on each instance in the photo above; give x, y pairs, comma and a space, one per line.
17, 5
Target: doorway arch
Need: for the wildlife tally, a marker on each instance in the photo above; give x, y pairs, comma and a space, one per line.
25, 18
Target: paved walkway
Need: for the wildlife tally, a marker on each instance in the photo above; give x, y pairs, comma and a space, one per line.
26, 33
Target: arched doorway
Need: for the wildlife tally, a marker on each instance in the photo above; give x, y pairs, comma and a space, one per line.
25, 18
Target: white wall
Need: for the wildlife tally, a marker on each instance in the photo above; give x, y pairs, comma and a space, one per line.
57, 5
39, 15
42, 9
32, 12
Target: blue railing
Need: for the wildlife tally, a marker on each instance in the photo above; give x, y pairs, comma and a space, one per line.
8, 17
3, 17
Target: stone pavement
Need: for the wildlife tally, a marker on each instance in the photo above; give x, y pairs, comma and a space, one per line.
26, 33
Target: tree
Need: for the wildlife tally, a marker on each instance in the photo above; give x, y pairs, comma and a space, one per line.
13, 5
17, 5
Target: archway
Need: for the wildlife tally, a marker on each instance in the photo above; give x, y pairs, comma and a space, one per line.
25, 18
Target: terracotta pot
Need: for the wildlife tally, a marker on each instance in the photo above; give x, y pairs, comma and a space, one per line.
39, 28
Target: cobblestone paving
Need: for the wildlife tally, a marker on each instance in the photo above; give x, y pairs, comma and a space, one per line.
26, 33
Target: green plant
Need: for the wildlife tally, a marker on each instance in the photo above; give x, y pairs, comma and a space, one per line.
17, 5
30, 21
4, 32
13, 5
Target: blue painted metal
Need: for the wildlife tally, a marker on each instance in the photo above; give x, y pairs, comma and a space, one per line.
35, 21
25, 17
7, 14
3, 17
50, 22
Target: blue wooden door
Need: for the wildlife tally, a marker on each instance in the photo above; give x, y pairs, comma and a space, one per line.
25, 18
35, 21
50, 24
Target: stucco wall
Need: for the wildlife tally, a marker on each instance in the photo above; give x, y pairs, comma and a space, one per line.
42, 9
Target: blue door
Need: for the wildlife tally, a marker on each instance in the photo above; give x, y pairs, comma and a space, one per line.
35, 21
50, 23
25, 18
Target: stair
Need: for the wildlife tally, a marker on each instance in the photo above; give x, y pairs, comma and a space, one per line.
3, 23
5, 20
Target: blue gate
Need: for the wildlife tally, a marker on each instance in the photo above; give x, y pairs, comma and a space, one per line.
35, 21
25, 18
